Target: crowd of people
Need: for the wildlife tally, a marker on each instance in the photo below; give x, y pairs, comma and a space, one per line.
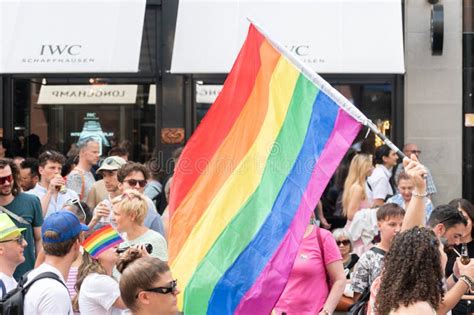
91, 238
84, 237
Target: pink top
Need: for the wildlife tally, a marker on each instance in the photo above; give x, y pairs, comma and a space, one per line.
307, 289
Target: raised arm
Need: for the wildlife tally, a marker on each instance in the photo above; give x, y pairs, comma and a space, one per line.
415, 212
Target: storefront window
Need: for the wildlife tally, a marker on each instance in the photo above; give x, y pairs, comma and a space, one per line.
375, 100
59, 115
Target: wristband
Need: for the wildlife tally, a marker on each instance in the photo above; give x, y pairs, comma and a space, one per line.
415, 194
455, 279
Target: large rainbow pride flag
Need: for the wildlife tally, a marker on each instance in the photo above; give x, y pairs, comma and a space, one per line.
247, 182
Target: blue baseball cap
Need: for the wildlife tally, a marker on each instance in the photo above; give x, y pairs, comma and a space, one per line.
65, 224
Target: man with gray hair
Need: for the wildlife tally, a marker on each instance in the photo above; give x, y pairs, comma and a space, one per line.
81, 178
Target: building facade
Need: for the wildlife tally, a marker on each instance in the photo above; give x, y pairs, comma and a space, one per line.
154, 109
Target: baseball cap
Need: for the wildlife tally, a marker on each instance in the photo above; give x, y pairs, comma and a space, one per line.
8, 228
65, 224
112, 163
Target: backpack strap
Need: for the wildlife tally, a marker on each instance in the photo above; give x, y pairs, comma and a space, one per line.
3, 288
44, 275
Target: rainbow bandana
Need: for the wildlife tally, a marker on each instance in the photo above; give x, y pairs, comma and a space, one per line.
101, 240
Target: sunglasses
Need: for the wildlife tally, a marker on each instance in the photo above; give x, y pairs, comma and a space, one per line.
343, 242
4, 179
163, 290
77, 203
134, 182
110, 161
19, 240
415, 152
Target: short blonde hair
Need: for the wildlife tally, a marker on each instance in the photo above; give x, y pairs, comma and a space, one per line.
133, 204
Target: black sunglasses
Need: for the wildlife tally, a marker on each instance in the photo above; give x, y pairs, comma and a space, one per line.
110, 161
163, 290
343, 242
19, 240
134, 182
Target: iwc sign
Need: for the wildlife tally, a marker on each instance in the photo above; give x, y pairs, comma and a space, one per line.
437, 29
59, 54
74, 36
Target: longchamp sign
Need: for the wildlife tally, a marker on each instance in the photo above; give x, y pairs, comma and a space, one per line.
88, 94
56, 36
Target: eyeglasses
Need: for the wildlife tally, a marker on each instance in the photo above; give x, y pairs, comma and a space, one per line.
343, 242
455, 215
4, 179
77, 203
417, 152
134, 182
163, 290
19, 240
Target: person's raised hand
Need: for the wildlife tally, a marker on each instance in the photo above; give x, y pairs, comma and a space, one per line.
417, 172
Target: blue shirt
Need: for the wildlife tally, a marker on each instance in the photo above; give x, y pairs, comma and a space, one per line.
398, 199
57, 202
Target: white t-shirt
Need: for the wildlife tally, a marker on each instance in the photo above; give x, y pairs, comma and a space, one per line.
9, 282
47, 296
97, 295
160, 248
379, 182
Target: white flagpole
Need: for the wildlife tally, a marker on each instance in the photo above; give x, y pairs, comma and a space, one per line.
334, 94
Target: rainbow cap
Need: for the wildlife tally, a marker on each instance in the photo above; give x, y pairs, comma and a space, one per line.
101, 240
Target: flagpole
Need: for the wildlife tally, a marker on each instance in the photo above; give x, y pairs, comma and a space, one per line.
334, 94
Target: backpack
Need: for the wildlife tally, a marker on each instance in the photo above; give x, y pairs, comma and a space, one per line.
13, 302
159, 200
360, 307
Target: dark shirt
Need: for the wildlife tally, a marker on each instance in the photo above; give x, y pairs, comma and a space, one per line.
349, 266
29, 208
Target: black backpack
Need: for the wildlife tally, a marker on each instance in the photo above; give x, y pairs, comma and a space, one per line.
160, 200
12, 303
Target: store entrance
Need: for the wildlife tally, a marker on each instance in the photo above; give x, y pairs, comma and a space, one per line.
57, 115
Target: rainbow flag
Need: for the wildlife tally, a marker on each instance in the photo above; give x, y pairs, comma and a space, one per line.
247, 182
101, 240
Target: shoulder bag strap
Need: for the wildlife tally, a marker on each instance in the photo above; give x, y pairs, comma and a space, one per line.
321, 249
3, 288
13, 215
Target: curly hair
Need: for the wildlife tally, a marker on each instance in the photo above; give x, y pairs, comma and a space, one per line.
16, 189
412, 272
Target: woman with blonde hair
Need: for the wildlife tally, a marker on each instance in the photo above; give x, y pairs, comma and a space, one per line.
130, 209
146, 285
355, 195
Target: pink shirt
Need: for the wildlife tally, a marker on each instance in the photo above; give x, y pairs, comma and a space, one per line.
307, 289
